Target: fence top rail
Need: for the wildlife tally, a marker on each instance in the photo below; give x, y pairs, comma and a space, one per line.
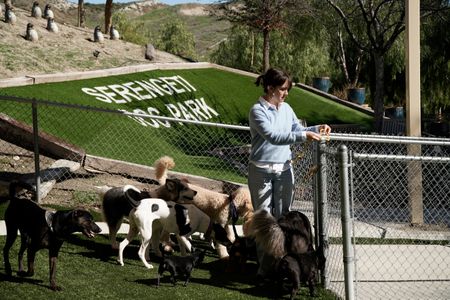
389, 139
391, 157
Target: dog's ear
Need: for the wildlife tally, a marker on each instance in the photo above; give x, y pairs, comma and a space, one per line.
171, 185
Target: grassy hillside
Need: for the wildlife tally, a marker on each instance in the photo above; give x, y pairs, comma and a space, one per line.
207, 30
228, 97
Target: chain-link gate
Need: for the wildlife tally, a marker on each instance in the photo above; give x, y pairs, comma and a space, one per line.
399, 216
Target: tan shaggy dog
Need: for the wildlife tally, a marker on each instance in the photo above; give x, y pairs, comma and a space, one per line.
216, 205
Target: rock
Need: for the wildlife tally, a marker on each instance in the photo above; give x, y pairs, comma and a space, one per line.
149, 52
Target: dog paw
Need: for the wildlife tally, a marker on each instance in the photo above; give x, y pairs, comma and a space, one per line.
24, 274
56, 288
149, 266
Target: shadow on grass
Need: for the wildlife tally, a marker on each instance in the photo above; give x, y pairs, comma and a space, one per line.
243, 282
18, 279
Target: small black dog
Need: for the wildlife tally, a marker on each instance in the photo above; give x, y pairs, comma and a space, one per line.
40, 229
300, 268
180, 265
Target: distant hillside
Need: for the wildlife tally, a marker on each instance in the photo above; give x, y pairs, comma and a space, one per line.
71, 49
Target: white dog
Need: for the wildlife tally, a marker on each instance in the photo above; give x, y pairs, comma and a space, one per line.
184, 220
153, 217
141, 221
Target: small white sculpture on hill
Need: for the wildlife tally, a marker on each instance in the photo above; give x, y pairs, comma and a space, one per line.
36, 11
51, 25
10, 16
114, 34
98, 35
31, 34
48, 13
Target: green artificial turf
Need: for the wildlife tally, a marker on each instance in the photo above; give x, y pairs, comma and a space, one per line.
209, 95
87, 269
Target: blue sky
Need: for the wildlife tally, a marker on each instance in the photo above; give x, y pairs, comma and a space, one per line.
170, 2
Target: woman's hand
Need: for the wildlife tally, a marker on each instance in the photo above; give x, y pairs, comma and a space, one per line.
312, 136
324, 129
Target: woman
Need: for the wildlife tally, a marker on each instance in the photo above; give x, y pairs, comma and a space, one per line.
274, 127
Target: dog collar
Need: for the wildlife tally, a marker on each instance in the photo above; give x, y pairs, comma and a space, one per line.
49, 219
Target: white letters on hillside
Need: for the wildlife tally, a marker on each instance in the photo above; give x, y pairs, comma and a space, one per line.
144, 90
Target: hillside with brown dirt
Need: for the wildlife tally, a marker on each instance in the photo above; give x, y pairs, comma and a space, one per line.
71, 49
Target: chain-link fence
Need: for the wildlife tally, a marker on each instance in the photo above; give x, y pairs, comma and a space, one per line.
398, 189
399, 205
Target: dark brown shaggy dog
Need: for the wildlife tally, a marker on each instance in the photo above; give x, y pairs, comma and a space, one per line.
40, 229
291, 233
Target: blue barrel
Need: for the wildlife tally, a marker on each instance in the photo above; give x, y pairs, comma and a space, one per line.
357, 95
322, 83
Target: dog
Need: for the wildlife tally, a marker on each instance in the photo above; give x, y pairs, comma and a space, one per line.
39, 229
180, 266
291, 233
117, 202
218, 206
241, 250
141, 222
184, 220
302, 268
150, 218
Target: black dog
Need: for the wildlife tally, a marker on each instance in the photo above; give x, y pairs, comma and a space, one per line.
300, 268
180, 265
40, 229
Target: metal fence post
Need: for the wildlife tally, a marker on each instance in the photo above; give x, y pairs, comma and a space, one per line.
323, 207
37, 171
346, 220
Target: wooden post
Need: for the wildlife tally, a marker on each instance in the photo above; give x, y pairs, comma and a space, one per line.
413, 105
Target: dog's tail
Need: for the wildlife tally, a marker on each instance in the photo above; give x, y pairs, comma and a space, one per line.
266, 231
101, 190
15, 187
162, 165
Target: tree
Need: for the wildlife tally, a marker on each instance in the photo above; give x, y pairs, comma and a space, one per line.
435, 52
383, 21
177, 40
108, 15
264, 16
304, 53
81, 16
